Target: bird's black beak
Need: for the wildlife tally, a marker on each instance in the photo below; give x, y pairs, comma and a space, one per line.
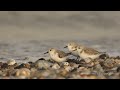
46, 52
65, 46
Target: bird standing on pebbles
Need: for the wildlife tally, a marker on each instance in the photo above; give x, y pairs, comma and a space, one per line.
72, 47
57, 55
88, 53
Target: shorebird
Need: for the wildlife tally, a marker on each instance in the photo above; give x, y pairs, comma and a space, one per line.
88, 53
72, 47
58, 55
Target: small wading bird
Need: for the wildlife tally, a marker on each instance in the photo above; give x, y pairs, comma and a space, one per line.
88, 53
72, 47
57, 55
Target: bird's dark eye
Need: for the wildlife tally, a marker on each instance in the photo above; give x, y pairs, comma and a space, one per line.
50, 50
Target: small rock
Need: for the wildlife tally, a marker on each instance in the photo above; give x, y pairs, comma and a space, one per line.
109, 63
22, 77
11, 62
90, 64
118, 69
23, 65
63, 72
88, 77
5, 65
55, 66
22, 72
27, 65
5, 77
74, 65
68, 68
31, 64
88, 60
85, 72
60, 77
1, 73
42, 64
1, 64
99, 71
75, 76
33, 69
45, 73
81, 69
114, 69
117, 61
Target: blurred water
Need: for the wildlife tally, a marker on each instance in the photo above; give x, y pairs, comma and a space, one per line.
35, 49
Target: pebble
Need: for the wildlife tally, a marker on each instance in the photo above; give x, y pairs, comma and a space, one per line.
109, 63
55, 66
100, 68
85, 72
90, 77
22, 72
4, 66
22, 77
23, 65
45, 73
88, 60
81, 69
1, 73
68, 68
43, 64
11, 62
74, 65
63, 72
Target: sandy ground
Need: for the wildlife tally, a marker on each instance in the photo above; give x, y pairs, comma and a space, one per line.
30, 34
